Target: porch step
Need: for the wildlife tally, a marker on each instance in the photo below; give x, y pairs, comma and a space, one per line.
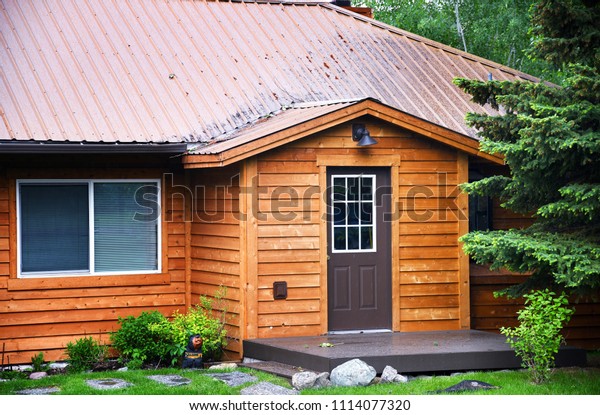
408, 352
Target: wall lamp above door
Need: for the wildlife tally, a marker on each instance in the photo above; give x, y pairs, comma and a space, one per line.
362, 135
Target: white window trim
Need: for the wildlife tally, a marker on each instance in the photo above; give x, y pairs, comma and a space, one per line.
87, 273
333, 226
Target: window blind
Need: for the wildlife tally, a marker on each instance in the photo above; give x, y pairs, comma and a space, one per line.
122, 242
54, 227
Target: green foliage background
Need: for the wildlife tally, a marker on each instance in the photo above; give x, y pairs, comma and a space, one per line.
549, 136
548, 133
496, 30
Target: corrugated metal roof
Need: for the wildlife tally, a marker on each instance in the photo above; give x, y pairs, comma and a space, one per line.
281, 120
158, 71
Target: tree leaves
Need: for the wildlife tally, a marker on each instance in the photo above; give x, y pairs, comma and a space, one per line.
553, 259
496, 30
549, 137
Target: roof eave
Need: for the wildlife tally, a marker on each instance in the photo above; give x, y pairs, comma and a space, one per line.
38, 147
311, 126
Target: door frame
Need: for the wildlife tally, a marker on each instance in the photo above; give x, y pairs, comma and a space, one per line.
377, 258
359, 159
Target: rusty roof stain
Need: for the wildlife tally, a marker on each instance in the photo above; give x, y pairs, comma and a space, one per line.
202, 72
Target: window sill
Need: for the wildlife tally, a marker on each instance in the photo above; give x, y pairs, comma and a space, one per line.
33, 283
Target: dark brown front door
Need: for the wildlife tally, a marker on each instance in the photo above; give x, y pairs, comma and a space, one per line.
359, 252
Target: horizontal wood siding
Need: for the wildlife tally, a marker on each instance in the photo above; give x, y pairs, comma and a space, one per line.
489, 313
215, 246
288, 241
289, 232
44, 314
428, 241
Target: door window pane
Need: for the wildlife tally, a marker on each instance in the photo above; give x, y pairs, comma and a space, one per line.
366, 238
339, 189
366, 188
353, 188
339, 213
353, 213
339, 238
366, 213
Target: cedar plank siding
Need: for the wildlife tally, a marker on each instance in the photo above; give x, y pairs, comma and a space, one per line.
215, 246
489, 313
428, 251
288, 242
44, 314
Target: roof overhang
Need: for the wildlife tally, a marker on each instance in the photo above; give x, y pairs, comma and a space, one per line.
38, 147
303, 121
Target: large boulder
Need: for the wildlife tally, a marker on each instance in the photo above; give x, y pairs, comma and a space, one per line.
353, 373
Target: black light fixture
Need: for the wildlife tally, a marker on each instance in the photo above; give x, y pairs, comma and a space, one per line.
362, 135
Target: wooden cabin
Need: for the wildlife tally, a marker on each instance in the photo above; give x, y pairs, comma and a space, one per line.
154, 151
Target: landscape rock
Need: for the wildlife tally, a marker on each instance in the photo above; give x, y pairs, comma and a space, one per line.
171, 380
391, 375
267, 388
322, 380
59, 365
467, 385
400, 379
388, 375
304, 380
234, 379
108, 383
39, 391
353, 373
223, 366
38, 375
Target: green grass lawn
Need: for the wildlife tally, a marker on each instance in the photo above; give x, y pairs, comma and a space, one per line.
570, 381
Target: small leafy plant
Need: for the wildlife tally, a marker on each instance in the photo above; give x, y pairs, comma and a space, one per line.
38, 363
200, 319
538, 337
85, 353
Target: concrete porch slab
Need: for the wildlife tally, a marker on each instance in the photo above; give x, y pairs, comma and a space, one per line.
418, 352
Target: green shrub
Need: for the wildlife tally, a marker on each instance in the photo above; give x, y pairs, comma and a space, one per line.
200, 319
85, 353
537, 339
38, 363
153, 338
137, 344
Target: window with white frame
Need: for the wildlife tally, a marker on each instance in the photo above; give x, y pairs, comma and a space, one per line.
353, 212
88, 227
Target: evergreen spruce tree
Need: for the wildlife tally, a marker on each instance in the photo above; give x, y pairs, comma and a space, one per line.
549, 136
